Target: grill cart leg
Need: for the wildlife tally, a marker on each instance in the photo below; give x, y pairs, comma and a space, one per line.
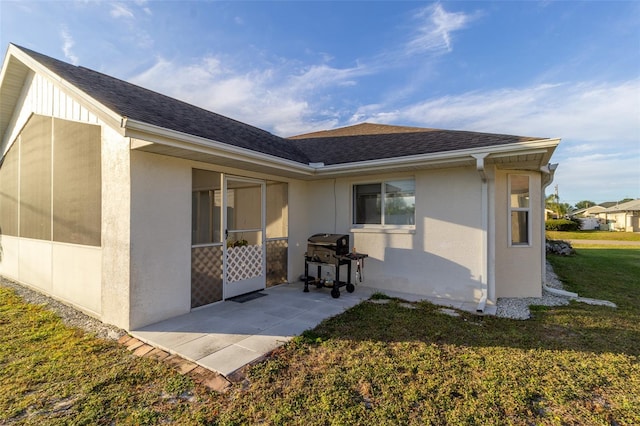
306, 277
350, 287
335, 292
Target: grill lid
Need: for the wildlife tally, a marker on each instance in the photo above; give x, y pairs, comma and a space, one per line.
329, 239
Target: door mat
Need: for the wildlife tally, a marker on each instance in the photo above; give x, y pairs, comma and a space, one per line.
247, 297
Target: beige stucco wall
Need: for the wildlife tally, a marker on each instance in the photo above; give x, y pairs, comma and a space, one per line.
518, 269
116, 197
439, 258
161, 233
77, 274
160, 238
67, 272
300, 198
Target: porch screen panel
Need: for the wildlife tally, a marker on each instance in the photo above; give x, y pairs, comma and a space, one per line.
277, 250
35, 179
77, 183
277, 228
206, 238
206, 207
277, 210
9, 192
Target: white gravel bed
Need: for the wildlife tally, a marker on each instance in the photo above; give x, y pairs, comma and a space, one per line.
518, 308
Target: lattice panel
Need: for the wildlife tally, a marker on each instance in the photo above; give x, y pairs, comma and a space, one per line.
276, 262
206, 275
244, 262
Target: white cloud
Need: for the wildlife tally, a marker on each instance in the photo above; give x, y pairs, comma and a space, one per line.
143, 5
599, 154
275, 98
589, 112
119, 10
599, 178
435, 29
67, 46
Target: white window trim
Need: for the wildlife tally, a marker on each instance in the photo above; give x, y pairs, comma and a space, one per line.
380, 228
519, 209
383, 229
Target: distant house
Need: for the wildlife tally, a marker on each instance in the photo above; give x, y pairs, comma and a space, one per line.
622, 217
588, 212
136, 207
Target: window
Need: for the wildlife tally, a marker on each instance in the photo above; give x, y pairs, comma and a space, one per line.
520, 210
385, 203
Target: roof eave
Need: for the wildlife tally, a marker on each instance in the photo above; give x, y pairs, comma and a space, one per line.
156, 135
183, 141
102, 111
545, 147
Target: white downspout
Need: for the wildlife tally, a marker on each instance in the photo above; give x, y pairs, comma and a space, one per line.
548, 172
485, 229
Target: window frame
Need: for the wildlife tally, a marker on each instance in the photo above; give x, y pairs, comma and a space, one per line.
513, 209
364, 227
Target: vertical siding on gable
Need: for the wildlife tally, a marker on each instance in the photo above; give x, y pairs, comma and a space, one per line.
43, 97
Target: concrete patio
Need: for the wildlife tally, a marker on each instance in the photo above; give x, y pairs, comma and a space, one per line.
228, 335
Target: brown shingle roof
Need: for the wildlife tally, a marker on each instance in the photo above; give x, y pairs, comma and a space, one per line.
362, 142
150, 107
362, 129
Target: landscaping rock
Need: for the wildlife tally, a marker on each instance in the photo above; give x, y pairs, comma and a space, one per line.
560, 248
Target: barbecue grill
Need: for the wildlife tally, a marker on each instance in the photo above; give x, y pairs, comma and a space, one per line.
330, 251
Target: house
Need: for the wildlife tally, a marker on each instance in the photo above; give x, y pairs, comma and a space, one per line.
588, 217
623, 216
136, 207
588, 211
550, 214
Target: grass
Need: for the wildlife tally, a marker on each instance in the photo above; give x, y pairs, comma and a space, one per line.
593, 235
374, 364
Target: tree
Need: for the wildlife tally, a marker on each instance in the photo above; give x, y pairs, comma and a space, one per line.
584, 204
552, 203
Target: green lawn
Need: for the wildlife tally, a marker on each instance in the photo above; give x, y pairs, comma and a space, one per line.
374, 364
593, 235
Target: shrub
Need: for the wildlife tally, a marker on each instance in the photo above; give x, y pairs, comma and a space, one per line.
561, 225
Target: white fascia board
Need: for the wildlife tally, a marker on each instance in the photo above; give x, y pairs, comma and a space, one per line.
175, 139
520, 148
100, 110
163, 136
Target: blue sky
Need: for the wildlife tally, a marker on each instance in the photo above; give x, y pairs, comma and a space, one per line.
566, 69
